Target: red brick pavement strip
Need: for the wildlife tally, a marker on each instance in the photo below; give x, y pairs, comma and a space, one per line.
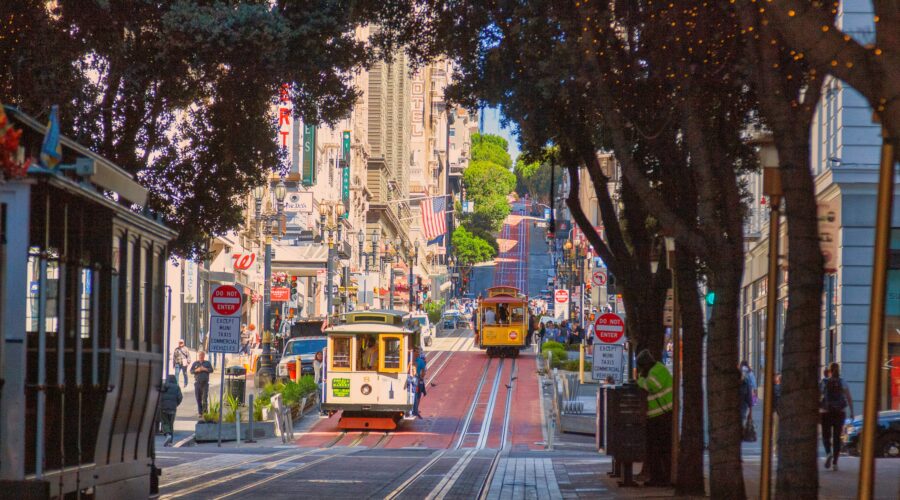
444, 407
525, 422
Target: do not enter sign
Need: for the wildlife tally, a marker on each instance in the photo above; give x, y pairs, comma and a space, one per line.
610, 329
562, 296
226, 300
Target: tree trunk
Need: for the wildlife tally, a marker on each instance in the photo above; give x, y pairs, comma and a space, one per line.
690, 456
799, 414
723, 378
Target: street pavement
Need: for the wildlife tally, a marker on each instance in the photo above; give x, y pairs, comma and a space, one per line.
485, 434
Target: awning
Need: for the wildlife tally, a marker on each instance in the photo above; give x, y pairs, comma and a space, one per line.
299, 260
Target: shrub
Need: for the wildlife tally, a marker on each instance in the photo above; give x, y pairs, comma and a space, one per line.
291, 393
307, 385
212, 413
258, 405
234, 406
552, 344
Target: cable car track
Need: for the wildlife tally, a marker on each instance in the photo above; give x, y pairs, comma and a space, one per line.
471, 413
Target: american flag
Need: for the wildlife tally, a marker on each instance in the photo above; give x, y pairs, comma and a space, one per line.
434, 221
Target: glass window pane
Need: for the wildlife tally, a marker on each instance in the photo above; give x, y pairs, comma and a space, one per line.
341, 355
367, 357
84, 308
391, 353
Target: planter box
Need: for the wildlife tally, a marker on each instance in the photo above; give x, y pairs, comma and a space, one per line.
208, 431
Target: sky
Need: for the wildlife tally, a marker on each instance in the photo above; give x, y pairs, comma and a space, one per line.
492, 126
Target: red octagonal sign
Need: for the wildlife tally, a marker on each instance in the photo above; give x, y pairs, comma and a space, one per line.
609, 328
562, 296
226, 300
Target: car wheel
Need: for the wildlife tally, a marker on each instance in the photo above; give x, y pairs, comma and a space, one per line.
889, 445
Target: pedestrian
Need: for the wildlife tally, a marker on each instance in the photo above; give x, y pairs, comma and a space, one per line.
412, 385
421, 370
776, 392
579, 334
317, 377
751, 377
181, 359
823, 413
201, 370
746, 402
169, 398
541, 333
245, 339
655, 378
835, 398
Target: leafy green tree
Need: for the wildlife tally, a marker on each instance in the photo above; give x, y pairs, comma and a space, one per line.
470, 249
179, 93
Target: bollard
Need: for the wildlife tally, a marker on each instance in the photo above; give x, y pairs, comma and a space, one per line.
237, 427
297, 371
250, 428
581, 363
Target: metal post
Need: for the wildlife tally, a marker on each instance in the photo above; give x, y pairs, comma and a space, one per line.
266, 371
411, 299
676, 370
876, 316
765, 478
391, 297
221, 393
329, 280
168, 330
250, 420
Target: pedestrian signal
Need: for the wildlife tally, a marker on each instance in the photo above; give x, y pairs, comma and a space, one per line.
710, 298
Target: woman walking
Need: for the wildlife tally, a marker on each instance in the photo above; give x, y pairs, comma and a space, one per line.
835, 399
169, 399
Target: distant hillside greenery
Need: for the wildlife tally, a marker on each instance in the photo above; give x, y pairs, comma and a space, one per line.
533, 175
488, 181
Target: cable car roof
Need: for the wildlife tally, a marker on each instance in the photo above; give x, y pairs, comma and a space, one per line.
503, 299
372, 328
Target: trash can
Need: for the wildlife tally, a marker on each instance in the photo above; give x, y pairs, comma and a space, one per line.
236, 382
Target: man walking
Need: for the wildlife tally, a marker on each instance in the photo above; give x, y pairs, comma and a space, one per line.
181, 359
245, 339
201, 370
657, 381
835, 400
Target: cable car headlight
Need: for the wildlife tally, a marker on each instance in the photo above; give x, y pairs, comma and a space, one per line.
366, 389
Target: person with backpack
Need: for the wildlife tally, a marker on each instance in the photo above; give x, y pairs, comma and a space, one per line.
835, 400
169, 398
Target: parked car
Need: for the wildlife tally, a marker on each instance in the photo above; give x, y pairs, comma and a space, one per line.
427, 328
304, 348
887, 435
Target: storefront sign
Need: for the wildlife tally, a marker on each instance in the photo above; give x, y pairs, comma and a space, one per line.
298, 202
190, 282
309, 154
243, 261
280, 294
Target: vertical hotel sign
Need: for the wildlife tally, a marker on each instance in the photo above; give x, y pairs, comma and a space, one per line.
345, 172
284, 112
309, 154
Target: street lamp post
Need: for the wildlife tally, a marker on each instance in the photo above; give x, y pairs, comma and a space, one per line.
676, 359
413, 262
272, 225
394, 248
330, 214
768, 155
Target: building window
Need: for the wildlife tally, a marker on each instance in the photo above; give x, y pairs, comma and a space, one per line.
890, 382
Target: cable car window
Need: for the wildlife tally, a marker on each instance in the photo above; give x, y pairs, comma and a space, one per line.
391, 348
518, 314
367, 355
340, 353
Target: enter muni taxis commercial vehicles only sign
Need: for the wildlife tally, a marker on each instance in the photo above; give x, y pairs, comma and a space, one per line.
225, 319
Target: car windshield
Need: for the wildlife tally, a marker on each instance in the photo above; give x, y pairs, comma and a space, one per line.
307, 346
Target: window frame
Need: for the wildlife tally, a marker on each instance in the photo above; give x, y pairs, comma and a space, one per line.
332, 350
382, 350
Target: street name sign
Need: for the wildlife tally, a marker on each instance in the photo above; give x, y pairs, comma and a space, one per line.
225, 319
610, 329
608, 362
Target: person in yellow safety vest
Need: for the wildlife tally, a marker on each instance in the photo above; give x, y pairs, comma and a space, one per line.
655, 378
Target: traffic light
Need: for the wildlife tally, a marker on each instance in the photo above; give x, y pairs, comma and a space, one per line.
710, 297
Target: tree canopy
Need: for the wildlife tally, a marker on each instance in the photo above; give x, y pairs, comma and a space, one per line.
180, 93
471, 249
